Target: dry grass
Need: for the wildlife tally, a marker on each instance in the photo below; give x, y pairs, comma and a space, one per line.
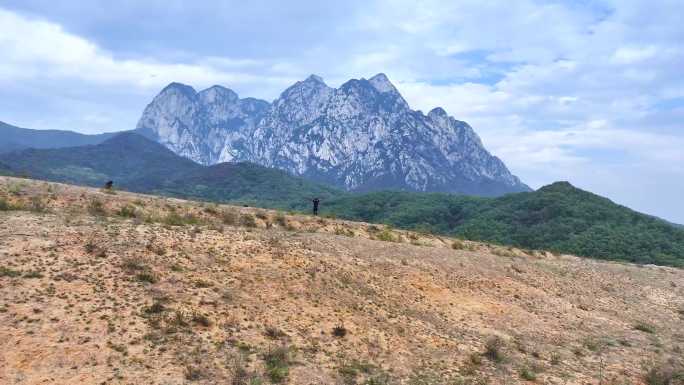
142, 289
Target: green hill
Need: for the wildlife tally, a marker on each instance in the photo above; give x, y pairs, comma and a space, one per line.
250, 184
136, 163
558, 217
5, 169
130, 160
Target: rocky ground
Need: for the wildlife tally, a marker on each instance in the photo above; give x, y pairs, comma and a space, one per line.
122, 288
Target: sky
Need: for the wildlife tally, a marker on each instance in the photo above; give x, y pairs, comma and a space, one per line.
591, 92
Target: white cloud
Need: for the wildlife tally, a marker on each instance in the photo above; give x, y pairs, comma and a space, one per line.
36, 49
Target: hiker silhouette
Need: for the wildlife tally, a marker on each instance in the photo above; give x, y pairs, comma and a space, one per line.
315, 201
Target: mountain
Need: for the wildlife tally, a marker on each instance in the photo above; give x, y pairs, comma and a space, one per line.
198, 125
5, 169
16, 138
558, 217
136, 163
362, 136
128, 159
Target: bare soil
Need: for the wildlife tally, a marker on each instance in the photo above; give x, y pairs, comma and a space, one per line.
122, 288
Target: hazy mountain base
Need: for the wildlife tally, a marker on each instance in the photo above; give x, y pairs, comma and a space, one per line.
124, 288
16, 138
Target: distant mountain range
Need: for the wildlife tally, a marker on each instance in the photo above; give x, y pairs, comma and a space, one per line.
361, 136
558, 217
16, 138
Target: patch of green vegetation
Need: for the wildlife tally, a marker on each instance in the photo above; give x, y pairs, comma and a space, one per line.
248, 220
33, 274
7, 272
645, 327
127, 211
147, 276
354, 371
175, 219
387, 235
458, 244
527, 374
280, 220
96, 207
277, 361
668, 372
494, 349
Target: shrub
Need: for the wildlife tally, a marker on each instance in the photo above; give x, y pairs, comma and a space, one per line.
280, 220
201, 319
4, 205
527, 374
156, 308
274, 333
248, 220
230, 217
133, 264
241, 375
127, 212
175, 219
33, 274
37, 205
494, 349
387, 236
344, 232
277, 362
96, 207
664, 373
7, 272
458, 245
339, 331
645, 327
193, 373
213, 210
147, 276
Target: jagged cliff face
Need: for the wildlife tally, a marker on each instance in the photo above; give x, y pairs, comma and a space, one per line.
362, 136
208, 127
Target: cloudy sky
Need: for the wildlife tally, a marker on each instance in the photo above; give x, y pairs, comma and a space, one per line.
586, 91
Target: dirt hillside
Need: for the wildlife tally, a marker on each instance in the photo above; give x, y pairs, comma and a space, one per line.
122, 288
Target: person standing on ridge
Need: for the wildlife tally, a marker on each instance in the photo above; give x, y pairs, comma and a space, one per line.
315, 201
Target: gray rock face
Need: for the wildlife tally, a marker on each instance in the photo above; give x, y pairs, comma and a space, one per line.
209, 127
362, 136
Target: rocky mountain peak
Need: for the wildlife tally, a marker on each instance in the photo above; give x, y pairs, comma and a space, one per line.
382, 83
315, 79
218, 93
438, 112
361, 136
178, 89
